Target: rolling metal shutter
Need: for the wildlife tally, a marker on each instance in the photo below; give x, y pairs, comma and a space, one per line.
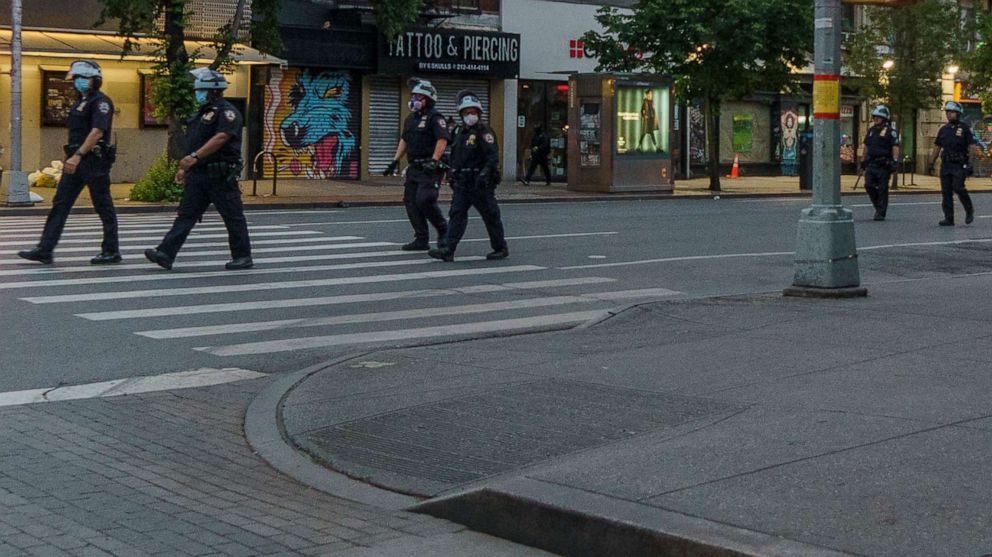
448, 87
384, 121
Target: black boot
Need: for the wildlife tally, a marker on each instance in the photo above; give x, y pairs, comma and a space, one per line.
238, 263
969, 217
879, 215
106, 258
498, 254
444, 253
946, 222
415, 245
159, 258
36, 255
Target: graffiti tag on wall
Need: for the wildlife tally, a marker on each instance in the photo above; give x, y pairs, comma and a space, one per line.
310, 123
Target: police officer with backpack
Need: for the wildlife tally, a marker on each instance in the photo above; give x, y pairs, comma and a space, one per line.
89, 156
209, 174
475, 175
425, 137
879, 161
954, 140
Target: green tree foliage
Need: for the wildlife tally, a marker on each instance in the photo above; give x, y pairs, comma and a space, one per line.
716, 50
920, 40
393, 16
978, 62
172, 91
158, 183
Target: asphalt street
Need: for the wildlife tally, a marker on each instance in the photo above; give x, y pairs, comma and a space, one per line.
328, 283
191, 347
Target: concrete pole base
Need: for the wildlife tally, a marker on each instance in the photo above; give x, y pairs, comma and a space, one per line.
814, 292
826, 255
15, 183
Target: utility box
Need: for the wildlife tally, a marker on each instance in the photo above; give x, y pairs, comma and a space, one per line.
620, 133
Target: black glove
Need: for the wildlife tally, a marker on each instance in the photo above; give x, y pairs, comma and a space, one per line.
391, 169
894, 165
482, 180
431, 165
864, 164
930, 169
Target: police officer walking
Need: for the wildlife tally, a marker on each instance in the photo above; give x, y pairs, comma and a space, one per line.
952, 144
209, 174
89, 156
425, 137
475, 175
879, 161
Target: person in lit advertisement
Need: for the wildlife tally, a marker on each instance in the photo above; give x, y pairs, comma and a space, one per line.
649, 123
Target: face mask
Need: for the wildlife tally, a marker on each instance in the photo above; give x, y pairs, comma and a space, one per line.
82, 84
416, 103
471, 119
201, 96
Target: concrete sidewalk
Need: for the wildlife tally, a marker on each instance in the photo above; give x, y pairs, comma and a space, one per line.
323, 193
752, 425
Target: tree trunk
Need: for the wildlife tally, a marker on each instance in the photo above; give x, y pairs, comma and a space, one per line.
176, 57
225, 48
711, 115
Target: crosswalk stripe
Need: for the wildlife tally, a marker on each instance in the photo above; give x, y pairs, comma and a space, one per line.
541, 236
130, 386
186, 264
503, 325
35, 270
157, 276
191, 245
54, 299
467, 309
98, 232
159, 237
333, 300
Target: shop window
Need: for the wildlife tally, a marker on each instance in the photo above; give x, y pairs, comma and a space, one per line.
57, 98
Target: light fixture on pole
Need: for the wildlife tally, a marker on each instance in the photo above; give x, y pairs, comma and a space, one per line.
953, 69
14, 178
887, 65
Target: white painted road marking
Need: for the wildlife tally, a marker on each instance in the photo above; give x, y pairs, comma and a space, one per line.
278, 285
419, 313
332, 300
193, 245
503, 325
683, 258
131, 386
146, 239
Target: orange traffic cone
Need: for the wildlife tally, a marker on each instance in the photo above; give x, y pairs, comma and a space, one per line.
735, 171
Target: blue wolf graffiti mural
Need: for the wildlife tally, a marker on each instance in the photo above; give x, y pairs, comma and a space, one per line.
310, 123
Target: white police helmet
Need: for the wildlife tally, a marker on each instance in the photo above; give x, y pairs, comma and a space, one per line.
84, 68
422, 87
951, 106
468, 99
205, 78
881, 111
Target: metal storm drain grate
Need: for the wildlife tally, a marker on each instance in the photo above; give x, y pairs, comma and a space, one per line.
426, 449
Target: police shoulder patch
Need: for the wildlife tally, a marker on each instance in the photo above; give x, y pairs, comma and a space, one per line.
441, 122
230, 115
104, 107
489, 138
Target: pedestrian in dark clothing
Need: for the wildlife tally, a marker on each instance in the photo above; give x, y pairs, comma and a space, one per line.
89, 157
879, 161
475, 175
425, 137
209, 174
649, 122
953, 143
540, 148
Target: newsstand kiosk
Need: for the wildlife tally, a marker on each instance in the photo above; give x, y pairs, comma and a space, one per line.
620, 133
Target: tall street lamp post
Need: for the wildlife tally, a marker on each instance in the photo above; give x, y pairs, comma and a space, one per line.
16, 179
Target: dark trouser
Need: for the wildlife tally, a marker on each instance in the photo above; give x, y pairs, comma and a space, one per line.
543, 163
420, 198
877, 177
199, 192
484, 201
952, 177
66, 194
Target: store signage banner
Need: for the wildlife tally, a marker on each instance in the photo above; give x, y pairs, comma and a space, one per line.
495, 55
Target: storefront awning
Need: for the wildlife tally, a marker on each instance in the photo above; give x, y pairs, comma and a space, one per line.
62, 44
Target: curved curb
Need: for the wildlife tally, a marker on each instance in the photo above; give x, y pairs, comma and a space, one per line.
265, 434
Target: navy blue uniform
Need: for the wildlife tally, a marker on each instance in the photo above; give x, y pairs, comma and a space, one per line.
955, 138
94, 110
213, 179
421, 132
475, 175
879, 143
